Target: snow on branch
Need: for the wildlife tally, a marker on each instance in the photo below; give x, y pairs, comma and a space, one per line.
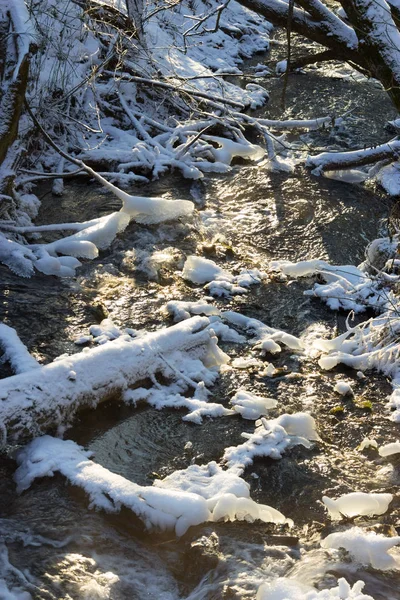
331, 161
182, 500
24, 30
15, 352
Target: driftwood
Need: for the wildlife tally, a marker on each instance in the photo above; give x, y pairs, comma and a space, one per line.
38, 401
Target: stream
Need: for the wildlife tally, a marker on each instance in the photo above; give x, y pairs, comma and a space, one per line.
52, 545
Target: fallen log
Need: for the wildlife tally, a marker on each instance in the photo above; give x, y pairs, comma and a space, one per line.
39, 401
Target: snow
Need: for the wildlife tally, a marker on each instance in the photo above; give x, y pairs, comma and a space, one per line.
219, 281
181, 310
202, 270
170, 397
389, 178
365, 547
182, 500
357, 504
23, 28
343, 388
281, 67
227, 495
272, 438
288, 589
347, 287
251, 406
228, 149
161, 508
262, 332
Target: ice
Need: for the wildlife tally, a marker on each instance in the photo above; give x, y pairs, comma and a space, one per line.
155, 210
230, 508
389, 449
357, 504
368, 443
251, 406
290, 589
365, 547
246, 363
343, 388
347, 176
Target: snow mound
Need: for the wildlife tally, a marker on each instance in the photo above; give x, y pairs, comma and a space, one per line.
343, 388
288, 589
227, 495
272, 438
202, 270
357, 504
219, 281
366, 548
251, 406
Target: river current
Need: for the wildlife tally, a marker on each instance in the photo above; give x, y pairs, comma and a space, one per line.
52, 546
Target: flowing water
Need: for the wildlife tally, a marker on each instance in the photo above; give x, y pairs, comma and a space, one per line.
52, 545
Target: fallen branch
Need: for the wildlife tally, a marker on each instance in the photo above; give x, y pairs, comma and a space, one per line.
169, 86
332, 161
39, 401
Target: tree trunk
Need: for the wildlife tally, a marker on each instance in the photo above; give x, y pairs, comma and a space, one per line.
14, 70
379, 42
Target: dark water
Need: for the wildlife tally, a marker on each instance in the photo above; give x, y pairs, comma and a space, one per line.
64, 550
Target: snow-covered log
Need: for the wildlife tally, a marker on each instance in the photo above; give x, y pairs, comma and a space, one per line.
42, 399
